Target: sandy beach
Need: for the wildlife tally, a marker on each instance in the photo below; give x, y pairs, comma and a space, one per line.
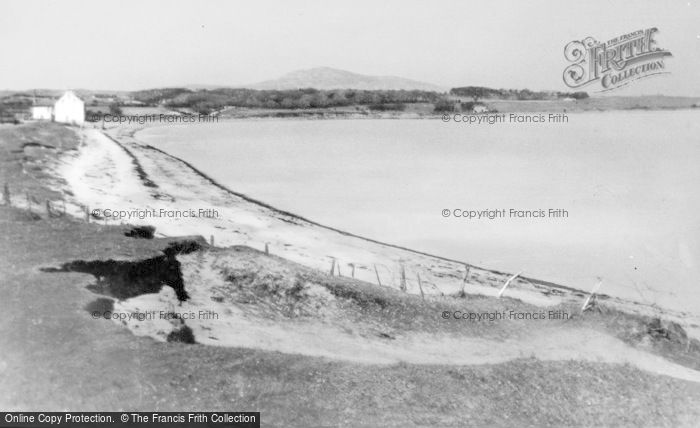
126, 181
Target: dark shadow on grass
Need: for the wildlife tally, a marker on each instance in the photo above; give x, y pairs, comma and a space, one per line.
125, 279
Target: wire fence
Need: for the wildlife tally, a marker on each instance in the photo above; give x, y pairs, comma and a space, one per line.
396, 277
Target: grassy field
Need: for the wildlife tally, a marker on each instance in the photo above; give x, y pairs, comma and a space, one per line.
54, 356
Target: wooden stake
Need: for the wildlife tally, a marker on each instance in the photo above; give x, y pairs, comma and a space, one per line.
87, 214
211, 240
500, 293
420, 286
403, 278
466, 277
333, 267
352, 272
590, 296
376, 272
6, 195
267, 249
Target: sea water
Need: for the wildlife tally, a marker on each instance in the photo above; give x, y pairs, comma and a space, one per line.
609, 195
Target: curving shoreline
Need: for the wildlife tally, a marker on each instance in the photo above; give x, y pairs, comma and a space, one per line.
246, 221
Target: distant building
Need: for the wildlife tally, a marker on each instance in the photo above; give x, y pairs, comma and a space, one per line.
69, 109
480, 108
42, 112
42, 108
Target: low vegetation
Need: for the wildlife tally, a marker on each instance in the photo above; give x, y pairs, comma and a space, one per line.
208, 101
480, 92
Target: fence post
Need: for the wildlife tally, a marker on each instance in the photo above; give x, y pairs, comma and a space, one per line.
267, 249
403, 278
211, 240
48, 208
87, 214
420, 286
464, 280
352, 271
6, 195
333, 267
376, 272
500, 293
590, 296
337, 266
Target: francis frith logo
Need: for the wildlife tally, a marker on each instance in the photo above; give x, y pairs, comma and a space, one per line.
615, 63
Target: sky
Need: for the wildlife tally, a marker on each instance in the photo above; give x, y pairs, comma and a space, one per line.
127, 45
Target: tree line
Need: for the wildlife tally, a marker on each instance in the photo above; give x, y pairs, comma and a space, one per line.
479, 92
207, 101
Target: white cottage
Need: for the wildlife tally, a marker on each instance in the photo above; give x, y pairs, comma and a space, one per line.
69, 109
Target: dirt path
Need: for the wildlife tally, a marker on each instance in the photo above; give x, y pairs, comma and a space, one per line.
314, 338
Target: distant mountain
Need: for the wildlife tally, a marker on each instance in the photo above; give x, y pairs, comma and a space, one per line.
332, 78
199, 87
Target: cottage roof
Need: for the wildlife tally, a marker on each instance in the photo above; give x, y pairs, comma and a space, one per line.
70, 95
